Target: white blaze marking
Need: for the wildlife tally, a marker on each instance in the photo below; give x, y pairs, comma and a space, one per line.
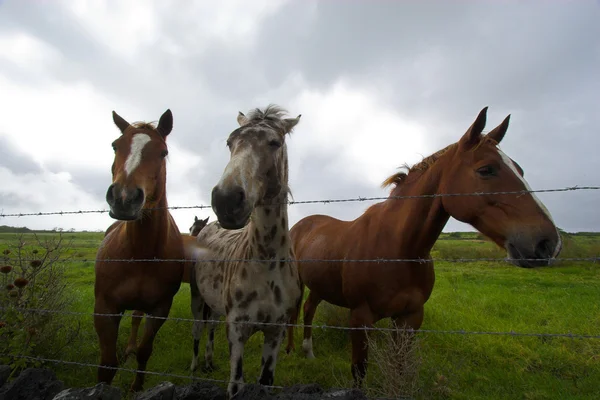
514, 169
138, 142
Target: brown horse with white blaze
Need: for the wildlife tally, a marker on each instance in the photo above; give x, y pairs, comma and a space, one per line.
137, 315
407, 228
145, 230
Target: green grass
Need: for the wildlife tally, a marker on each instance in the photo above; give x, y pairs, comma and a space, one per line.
484, 296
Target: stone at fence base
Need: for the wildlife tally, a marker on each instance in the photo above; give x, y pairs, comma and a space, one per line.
162, 391
32, 384
101, 391
309, 391
253, 391
200, 390
345, 394
4, 374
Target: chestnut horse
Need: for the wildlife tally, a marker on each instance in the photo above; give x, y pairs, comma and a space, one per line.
145, 229
408, 229
137, 315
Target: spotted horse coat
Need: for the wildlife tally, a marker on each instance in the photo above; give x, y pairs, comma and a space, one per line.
268, 289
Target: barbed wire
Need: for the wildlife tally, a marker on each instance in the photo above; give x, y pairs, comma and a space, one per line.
192, 377
322, 201
315, 260
322, 327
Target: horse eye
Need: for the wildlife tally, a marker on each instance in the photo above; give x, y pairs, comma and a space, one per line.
487, 171
114, 148
164, 153
275, 144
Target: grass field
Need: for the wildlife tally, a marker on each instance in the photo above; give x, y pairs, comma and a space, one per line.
483, 296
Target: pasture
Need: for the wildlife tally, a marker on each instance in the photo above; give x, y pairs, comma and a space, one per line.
468, 296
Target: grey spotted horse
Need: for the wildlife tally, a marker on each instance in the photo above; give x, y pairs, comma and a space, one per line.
250, 201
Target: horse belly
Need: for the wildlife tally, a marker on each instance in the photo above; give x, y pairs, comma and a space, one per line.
325, 280
210, 284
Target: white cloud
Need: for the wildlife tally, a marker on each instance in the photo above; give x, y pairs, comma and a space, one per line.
69, 124
364, 139
26, 51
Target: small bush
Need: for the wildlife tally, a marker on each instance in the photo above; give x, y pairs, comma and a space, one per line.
394, 363
32, 277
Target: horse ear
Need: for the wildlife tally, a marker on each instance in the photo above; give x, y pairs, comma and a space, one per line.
290, 123
165, 123
120, 122
241, 119
206, 220
498, 132
195, 219
473, 134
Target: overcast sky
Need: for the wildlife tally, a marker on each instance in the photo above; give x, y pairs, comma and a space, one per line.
378, 84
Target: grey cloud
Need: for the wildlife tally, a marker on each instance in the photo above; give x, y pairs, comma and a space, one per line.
15, 160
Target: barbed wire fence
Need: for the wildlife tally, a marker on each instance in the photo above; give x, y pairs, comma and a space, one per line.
323, 327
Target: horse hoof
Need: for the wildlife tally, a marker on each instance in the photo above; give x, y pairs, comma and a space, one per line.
130, 351
135, 388
209, 368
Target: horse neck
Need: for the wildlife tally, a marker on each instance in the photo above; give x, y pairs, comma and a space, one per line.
268, 228
414, 225
152, 228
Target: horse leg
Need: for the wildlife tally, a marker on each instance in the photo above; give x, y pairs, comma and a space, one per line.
310, 308
210, 342
237, 335
291, 346
107, 329
153, 324
197, 305
136, 319
360, 317
406, 339
273, 340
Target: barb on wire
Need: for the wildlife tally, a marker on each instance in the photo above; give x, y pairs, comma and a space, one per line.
323, 201
319, 260
334, 327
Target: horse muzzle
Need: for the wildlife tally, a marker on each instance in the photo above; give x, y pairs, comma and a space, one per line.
535, 252
231, 207
125, 204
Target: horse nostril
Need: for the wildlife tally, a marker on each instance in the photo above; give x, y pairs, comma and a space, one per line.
139, 196
543, 248
241, 195
110, 195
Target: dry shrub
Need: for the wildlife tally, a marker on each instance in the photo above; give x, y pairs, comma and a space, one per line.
32, 278
394, 363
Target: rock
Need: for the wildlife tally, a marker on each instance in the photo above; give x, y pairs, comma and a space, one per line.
32, 384
163, 391
200, 390
101, 391
5, 371
345, 394
311, 391
253, 391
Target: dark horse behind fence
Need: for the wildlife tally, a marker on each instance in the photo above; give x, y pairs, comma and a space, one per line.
145, 230
408, 228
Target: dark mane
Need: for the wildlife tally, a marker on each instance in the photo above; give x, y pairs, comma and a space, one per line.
144, 125
422, 166
272, 116
400, 177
